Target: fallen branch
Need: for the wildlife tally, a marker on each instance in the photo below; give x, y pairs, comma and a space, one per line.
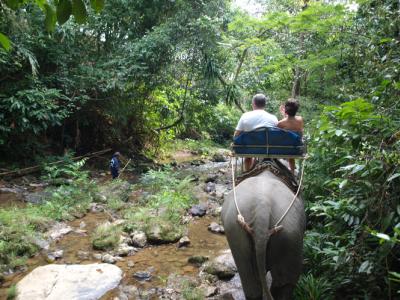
32, 169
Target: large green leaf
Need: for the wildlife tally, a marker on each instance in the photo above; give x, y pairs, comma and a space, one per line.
64, 10
51, 19
13, 4
5, 42
97, 5
79, 11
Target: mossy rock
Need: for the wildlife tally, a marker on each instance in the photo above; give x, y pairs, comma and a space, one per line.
106, 237
197, 260
163, 233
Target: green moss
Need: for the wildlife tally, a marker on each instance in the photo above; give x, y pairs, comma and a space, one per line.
106, 237
191, 292
12, 292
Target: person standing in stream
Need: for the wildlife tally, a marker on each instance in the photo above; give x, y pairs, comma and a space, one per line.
115, 165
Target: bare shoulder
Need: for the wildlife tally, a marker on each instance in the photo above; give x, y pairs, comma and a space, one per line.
282, 123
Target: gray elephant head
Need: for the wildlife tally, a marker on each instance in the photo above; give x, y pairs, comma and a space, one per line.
262, 201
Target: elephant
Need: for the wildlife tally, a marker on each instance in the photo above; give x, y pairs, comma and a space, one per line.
262, 201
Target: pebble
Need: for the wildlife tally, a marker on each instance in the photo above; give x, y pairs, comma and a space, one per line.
142, 276
216, 228
184, 242
83, 255
108, 259
130, 264
97, 256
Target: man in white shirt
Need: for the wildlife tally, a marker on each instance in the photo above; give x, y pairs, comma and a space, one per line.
254, 119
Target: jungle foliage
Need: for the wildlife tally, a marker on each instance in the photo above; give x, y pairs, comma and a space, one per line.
136, 74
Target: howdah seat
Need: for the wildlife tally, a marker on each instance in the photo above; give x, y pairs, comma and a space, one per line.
269, 142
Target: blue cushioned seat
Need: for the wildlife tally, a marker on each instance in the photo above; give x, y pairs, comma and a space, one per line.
269, 141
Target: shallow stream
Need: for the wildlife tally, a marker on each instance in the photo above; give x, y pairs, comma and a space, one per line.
160, 260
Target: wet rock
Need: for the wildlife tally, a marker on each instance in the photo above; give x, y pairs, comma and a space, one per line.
231, 289
211, 178
216, 211
209, 291
156, 235
82, 225
210, 187
15, 190
108, 259
148, 294
50, 259
130, 264
69, 282
100, 198
58, 231
222, 171
223, 266
184, 242
97, 256
56, 254
95, 208
142, 276
197, 260
41, 243
125, 250
127, 292
198, 210
83, 255
216, 228
197, 162
138, 239
218, 157
37, 197
220, 191
186, 219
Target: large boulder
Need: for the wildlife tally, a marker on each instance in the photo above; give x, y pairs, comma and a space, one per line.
163, 234
69, 282
138, 239
37, 197
222, 266
198, 210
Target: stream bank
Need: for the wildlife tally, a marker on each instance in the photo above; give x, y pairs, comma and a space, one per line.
165, 271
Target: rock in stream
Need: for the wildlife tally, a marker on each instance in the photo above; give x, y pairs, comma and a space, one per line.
69, 282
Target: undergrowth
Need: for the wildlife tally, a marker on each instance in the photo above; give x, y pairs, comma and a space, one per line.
163, 202
20, 228
106, 237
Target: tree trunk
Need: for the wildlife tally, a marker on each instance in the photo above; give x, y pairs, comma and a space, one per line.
298, 72
296, 82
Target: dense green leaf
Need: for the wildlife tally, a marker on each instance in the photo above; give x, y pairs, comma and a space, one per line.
51, 18
79, 11
64, 10
97, 5
5, 42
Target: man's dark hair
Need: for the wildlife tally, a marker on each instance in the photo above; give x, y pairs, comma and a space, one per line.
260, 100
291, 107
